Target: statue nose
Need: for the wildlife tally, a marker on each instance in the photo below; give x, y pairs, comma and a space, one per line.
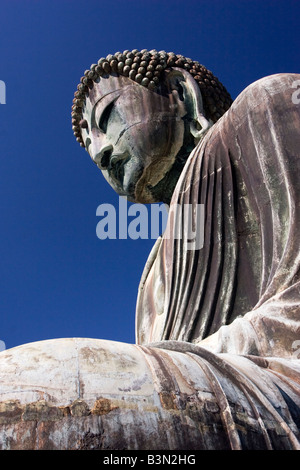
102, 158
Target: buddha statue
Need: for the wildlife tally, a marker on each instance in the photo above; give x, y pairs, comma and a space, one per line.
216, 360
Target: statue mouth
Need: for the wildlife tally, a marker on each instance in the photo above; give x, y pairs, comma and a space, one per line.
116, 167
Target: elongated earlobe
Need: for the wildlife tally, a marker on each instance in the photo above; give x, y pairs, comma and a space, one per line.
200, 126
191, 100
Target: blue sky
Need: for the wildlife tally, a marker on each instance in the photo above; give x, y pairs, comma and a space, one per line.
57, 279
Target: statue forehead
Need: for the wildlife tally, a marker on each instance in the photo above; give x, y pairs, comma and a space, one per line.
106, 86
109, 87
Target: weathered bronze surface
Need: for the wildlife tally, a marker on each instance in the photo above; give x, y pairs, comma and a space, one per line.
216, 363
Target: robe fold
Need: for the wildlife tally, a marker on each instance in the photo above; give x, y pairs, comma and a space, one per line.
238, 296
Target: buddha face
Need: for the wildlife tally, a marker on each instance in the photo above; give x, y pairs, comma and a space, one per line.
133, 135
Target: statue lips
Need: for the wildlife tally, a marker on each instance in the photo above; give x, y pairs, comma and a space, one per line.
116, 166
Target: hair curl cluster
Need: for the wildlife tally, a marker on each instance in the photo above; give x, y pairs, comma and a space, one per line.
147, 67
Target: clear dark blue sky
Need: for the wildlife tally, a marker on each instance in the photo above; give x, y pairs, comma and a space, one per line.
57, 279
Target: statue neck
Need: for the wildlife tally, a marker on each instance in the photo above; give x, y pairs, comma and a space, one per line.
163, 191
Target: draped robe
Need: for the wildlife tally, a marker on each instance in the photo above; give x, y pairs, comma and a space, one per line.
235, 303
216, 364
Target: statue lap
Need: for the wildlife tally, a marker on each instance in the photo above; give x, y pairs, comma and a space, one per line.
82, 393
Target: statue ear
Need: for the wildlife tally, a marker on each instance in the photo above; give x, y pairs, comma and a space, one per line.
185, 89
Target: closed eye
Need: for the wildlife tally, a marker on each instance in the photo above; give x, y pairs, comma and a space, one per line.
103, 121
